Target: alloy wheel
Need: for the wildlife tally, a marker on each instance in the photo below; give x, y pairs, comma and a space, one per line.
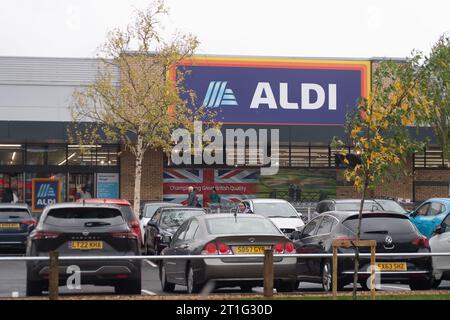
326, 277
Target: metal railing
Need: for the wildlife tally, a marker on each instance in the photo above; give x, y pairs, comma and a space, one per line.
268, 262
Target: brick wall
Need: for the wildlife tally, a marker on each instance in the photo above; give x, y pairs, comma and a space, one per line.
399, 188
152, 175
431, 183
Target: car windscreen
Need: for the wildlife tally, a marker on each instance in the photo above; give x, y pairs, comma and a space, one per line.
275, 210
84, 217
389, 205
14, 213
241, 225
354, 206
381, 224
150, 210
174, 218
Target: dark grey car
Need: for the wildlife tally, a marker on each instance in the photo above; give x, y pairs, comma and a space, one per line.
85, 230
227, 235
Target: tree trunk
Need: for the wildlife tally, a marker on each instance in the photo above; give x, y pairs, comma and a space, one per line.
358, 236
139, 156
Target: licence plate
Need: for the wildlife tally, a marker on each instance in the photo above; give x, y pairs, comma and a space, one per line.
9, 225
391, 266
86, 245
250, 249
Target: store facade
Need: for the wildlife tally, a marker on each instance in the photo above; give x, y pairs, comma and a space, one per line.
305, 99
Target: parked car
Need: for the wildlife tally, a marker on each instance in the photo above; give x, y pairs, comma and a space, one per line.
393, 232
430, 214
165, 222
16, 223
440, 242
281, 212
227, 235
85, 230
148, 211
127, 209
346, 205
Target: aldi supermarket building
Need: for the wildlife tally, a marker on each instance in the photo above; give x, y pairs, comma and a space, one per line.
306, 99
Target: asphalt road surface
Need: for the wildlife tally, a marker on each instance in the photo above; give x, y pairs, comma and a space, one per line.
13, 282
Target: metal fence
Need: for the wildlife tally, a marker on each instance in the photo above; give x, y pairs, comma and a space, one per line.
268, 257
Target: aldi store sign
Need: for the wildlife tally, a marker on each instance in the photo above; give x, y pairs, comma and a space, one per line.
45, 192
277, 91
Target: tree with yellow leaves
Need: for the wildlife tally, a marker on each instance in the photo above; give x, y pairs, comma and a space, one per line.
378, 130
142, 105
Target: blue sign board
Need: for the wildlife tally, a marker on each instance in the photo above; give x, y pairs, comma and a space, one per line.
107, 185
44, 192
277, 91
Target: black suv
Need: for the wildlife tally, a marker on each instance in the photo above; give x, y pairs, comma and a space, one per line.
85, 230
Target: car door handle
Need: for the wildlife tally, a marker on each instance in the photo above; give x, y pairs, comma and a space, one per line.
184, 246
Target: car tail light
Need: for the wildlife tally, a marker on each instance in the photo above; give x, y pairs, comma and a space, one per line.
124, 235
279, 248
421, 242
134, 225
29, 222
40, 235
224, 249
210, 248
287, 247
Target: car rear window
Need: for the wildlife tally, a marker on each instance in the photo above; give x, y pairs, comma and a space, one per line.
275, 210
383, 224
241, 225
128, 214
14, 213
355, 206
84, 217
174, 218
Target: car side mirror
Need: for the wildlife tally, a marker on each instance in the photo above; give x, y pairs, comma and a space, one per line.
167, 239
152, 223
440, 229
412, 214
296, 235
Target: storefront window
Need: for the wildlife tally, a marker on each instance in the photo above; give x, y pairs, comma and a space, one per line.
78, 182
107, 156
11, 187
11, 155
320, 157
81, 156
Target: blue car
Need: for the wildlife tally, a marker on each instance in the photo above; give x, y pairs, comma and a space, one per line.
16, 224
430, 214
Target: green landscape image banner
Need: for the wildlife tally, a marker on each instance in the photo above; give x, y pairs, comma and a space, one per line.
309, 181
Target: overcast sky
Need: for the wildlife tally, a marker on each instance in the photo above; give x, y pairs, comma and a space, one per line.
297, 28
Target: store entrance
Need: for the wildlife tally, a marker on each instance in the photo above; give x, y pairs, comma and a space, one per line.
11, 187
79, 183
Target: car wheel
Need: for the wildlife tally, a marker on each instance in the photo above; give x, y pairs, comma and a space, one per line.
246, 288
192, 287
326, 277
286, 286
34, 288
436, 283
165, 286
425, 284
129, 287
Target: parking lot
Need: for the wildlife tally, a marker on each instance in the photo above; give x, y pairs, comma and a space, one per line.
13, 282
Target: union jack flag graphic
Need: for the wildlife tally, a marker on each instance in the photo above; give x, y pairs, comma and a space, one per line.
232, 185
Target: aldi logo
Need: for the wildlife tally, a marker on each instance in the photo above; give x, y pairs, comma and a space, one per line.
45, 192
219, 95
